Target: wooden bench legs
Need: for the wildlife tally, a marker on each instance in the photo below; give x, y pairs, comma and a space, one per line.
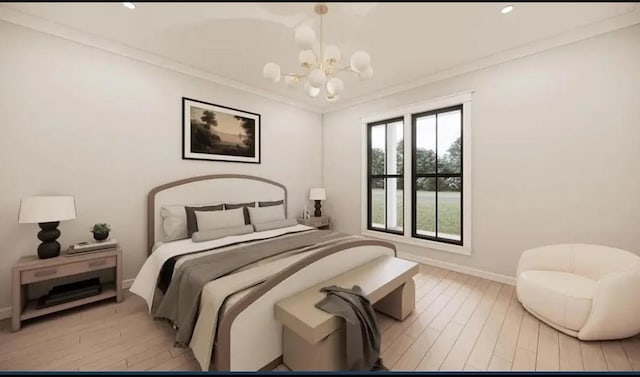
329, 354
399, 303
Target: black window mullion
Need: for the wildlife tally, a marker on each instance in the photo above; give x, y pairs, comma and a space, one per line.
385, 177
369, 179
460, 170
386, 173
436, 175
414, 183
436, 178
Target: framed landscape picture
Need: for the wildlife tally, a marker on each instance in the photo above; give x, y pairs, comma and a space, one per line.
219, 133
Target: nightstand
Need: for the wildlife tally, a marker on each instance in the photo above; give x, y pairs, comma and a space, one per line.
31, 269
322, 222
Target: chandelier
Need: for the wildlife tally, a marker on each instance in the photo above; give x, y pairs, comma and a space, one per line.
321, 66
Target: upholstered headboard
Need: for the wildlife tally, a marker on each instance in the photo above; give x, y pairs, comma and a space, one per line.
223, 188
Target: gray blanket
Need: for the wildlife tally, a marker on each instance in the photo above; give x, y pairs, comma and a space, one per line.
180, 303
362, 333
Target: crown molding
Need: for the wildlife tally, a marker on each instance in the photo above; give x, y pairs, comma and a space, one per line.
48, 27
600, 27
584, 32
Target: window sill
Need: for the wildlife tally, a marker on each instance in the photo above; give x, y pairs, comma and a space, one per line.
408, 240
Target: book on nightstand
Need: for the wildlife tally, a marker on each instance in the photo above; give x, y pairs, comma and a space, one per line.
92, 247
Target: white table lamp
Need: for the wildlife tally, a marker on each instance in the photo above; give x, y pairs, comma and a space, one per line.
317, 194
47, 211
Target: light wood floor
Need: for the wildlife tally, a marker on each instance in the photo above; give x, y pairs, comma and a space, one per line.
460, 323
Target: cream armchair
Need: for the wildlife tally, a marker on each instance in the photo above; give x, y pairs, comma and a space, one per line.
590, 292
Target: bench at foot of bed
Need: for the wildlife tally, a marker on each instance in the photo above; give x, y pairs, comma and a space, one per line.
314, 339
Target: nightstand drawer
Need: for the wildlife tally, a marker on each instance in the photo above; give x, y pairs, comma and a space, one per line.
315, 221
46, 273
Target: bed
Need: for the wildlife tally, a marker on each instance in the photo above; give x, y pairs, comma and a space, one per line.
234, 327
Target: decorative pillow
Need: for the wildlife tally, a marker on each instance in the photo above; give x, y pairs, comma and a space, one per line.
219, 219
192, 224
266, 214
174, 223
244, 206
259, 227
214, 234
269, 204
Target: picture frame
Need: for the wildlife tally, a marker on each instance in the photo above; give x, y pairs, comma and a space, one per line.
219, 133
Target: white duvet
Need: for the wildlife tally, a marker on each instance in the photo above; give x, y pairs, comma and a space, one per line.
145, 282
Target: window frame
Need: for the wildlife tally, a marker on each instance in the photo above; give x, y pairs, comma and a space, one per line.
385, 176
407, 240
415, 175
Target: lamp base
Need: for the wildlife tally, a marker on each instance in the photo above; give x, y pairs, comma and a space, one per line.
49, 248
317, 213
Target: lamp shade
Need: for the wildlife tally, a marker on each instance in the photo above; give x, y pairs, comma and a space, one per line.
44, 209
317, 194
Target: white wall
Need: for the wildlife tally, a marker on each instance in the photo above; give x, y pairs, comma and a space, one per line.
556, 151
81, 121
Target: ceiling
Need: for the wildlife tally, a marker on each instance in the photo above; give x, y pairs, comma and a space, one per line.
406, 41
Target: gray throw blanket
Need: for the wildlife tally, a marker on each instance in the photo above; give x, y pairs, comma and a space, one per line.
181, 302
362, 333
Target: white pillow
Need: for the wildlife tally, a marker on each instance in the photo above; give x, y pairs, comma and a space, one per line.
219, 219
259, 215
174, 222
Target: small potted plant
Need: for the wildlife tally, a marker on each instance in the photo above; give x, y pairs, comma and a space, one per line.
100, 231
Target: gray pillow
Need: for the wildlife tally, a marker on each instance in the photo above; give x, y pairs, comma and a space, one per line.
274, 224
220, 219
269, 204
247, 221
192, 223
266, 214
214, 234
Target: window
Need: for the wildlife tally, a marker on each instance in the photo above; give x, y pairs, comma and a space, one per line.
437, 175
435, 137
385, 176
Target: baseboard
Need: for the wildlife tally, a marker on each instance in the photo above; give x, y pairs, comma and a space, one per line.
510, 280
126, 284
6, 311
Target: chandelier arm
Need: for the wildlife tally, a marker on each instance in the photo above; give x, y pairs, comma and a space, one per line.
296, 75
346, 69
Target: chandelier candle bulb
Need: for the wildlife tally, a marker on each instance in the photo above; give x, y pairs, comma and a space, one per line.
365, 74
332, 54
311, 91
335, 87
305, 37
307, 58
317, 78
360, 60
271, 72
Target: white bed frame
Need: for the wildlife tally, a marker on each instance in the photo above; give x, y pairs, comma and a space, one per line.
249, 338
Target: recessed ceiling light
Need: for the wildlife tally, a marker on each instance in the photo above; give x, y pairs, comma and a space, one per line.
129, 5
507, 9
